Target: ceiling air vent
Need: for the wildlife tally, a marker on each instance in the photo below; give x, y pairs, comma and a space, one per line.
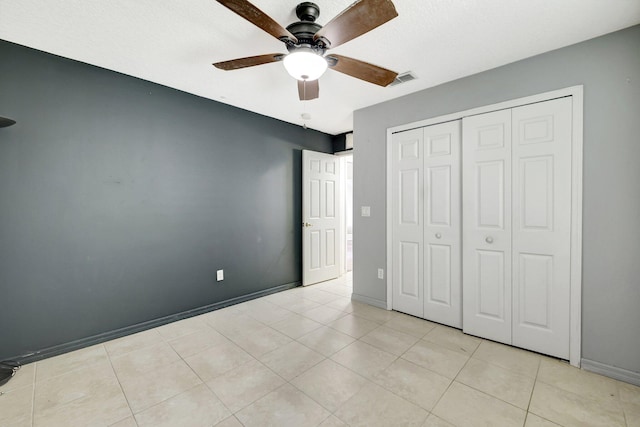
403, 78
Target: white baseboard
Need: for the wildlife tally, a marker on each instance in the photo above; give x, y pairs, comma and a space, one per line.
611, 371
368, 300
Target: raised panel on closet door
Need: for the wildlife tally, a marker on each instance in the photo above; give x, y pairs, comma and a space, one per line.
442, 257
407, 225
486, 224
542, 226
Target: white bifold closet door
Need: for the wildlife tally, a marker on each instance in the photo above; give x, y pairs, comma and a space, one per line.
486, 240
426, 223
517, 221
442, 258
542, 226
407, 250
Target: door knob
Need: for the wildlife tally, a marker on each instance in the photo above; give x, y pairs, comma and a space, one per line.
438, 235
489, 240
306, 224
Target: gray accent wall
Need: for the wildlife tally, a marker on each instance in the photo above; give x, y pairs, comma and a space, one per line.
609, 69
120, 198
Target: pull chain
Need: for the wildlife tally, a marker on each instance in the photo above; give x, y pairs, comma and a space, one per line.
304, 104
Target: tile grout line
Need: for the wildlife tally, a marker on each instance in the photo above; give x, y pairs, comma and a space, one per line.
286, 382
453, 380
203, 382
181, 359
526, 411
396, 394
332, 413
399, 357
33, 394
255, 359
60, 375
346, 401
120, 386
535, 381
233, 414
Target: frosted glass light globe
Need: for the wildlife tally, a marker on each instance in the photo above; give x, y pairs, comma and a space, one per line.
305, 64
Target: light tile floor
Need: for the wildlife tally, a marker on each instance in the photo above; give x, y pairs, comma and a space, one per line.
310, 357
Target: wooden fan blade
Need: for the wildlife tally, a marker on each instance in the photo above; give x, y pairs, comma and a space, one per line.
362, 70
249, 61
359, 18
308, 89
258, 18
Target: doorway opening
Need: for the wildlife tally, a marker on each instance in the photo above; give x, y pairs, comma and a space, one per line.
348, 212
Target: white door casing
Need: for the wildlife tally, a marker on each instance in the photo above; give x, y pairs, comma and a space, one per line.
407, 221
486, 241
442, 257
542, 226
320, 217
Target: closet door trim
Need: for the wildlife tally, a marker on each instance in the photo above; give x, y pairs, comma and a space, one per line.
577, 95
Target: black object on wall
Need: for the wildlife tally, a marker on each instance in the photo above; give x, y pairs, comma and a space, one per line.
4, 122
121, 198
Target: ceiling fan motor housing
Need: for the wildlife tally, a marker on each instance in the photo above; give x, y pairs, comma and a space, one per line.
306, 28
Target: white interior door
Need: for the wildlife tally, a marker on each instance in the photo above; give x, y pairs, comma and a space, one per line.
320, 217
486, 242
407, 222
442, 256
542, 226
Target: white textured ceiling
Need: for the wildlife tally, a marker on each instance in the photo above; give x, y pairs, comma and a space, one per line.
173, 43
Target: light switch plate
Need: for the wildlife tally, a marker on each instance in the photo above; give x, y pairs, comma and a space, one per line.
365, 210
220, 275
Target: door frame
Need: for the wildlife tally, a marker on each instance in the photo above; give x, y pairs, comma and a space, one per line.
344, 157
577, 94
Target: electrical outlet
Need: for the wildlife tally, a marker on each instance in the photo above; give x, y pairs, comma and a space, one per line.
365, 210
380, 273
220, 275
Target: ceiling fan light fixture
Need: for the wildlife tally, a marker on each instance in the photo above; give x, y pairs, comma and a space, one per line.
305, 64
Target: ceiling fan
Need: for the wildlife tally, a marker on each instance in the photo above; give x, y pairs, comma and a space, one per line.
307, 42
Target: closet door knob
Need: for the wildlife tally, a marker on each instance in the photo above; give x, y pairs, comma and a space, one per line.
489, 240
438, 235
